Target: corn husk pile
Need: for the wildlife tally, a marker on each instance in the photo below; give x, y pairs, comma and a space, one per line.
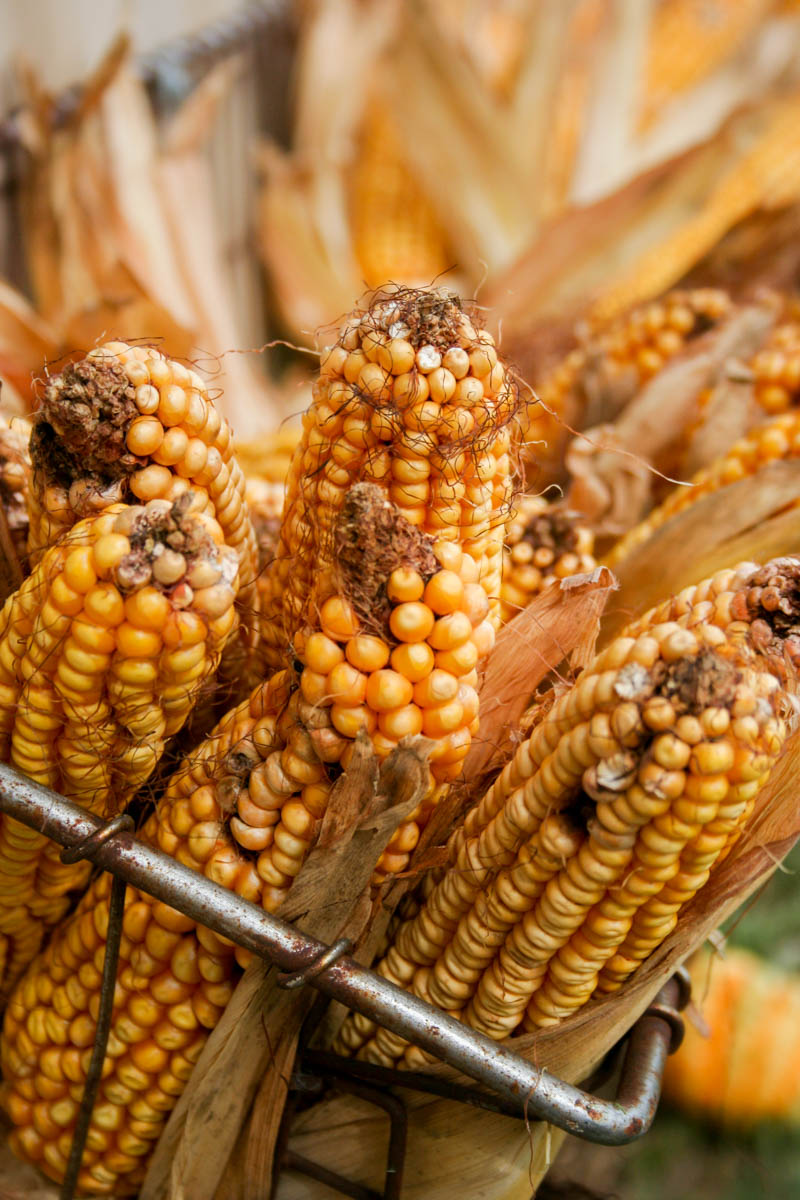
121, 234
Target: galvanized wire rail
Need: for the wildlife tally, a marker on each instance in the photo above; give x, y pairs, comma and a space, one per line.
515, 1086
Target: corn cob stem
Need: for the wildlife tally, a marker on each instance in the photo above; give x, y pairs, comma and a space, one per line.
670, 734
103, 653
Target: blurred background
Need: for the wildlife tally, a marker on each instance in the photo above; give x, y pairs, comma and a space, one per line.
227, 179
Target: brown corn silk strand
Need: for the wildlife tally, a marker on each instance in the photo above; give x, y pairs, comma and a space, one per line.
545, 542
412, 398
104, 650
670, 733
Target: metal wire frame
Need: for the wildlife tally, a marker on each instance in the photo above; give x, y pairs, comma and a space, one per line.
514, 1084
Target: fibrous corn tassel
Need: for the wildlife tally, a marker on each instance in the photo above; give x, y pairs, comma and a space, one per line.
776, 439
650, 764
15, 471
128, 423
623, 356
544, 542
411, 398
103, 653
396, 233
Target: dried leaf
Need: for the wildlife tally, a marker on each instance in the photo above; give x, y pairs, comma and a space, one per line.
611, 464
753, 519
26, 343
542, 636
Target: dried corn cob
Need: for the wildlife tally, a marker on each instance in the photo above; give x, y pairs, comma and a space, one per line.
776, 370
103, 652
265, 501
414, 399
269, 456
777, 439
175, 977
242, 810
394, 651
396, 234
15, 470
127, 423
610, 817
632, 349
544, 542
395, 648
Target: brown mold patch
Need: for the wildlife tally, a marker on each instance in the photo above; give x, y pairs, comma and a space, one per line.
158, 532
770, 601
82, 424
371, 540
704, 681
553, 530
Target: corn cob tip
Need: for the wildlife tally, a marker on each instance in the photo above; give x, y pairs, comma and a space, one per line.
81, 427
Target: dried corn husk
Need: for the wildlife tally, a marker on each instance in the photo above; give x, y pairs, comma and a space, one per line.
113, 246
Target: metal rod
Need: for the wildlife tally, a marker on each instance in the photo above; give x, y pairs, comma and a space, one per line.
116, 909
537, 1093
323, 1064
331, 1179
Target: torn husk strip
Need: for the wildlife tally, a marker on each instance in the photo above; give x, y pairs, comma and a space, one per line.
548, 631
193, 1152
570, 1050
756, 518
